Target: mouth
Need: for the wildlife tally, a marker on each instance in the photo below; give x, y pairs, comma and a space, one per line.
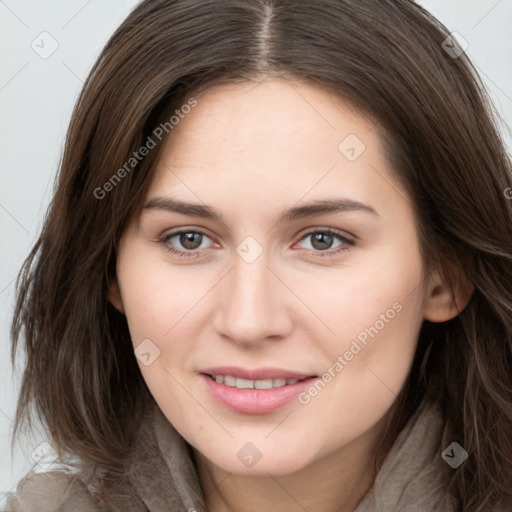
254, 391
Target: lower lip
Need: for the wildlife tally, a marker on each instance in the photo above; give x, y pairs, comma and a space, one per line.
255, 401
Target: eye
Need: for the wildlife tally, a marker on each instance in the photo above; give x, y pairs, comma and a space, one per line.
322, 241
190, 242
186, 242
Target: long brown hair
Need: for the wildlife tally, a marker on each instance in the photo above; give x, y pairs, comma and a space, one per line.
384, 57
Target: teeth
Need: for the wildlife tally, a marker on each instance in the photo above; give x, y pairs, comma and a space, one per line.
230, 381
264, 384
244, 383
237, 382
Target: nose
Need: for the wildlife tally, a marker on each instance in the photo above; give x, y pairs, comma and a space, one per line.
254, 304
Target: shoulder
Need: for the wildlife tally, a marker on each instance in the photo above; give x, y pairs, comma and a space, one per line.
51, 492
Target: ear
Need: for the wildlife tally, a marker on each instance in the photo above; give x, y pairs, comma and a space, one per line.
444, 302
114, 295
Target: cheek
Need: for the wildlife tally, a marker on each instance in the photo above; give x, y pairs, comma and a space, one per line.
376, 315
159, 308
156, 297
379, 293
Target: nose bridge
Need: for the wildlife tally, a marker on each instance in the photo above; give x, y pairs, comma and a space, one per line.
252, 305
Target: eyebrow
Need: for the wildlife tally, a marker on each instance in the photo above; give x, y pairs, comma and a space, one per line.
295, 213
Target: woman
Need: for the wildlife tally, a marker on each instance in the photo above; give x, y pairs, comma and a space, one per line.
274, 272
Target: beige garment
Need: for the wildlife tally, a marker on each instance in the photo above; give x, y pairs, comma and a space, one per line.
163, 477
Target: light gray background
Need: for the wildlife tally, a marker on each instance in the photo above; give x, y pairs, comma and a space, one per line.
36, 99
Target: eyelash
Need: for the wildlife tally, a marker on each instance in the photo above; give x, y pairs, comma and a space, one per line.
347, 243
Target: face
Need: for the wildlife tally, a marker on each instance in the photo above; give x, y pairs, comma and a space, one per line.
276, 320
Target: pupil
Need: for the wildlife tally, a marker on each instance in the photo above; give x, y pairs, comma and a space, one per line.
322, 241
189, 240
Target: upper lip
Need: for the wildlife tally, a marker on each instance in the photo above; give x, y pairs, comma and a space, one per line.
257, 373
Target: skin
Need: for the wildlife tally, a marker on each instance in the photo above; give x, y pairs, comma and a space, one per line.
251, 151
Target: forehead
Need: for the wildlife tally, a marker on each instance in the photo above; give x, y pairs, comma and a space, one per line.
268, 115
271, 141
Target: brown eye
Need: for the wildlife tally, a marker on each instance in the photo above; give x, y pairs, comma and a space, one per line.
323, 240
186, 242
190, 240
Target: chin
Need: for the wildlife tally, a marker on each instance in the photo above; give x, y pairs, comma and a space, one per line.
251, 460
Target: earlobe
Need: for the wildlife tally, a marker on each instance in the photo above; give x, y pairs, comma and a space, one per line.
114, 295
441, 304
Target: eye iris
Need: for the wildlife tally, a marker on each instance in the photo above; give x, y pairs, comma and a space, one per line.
321, 241
190, 240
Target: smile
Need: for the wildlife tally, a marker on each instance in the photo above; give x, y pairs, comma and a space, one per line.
254, 391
